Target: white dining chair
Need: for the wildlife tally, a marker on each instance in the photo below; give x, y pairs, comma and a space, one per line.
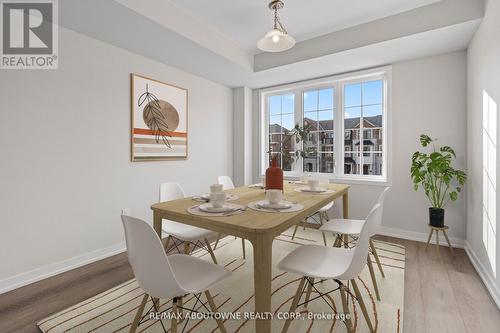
163, 277
323, 217
332, 263
352, 228
191, 236
227, 184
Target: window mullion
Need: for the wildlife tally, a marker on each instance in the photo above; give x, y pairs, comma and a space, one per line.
362, 135
299, 120
339, 129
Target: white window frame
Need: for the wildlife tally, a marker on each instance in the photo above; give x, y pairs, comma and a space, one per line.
337, 82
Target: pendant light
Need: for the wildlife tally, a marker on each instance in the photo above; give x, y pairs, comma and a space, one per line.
276, 40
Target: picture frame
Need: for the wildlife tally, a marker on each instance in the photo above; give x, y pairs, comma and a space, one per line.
159, 120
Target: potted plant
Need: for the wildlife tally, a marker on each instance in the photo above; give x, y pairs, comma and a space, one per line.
439, 180
274, 174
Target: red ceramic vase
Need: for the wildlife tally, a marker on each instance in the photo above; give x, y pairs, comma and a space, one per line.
274, 177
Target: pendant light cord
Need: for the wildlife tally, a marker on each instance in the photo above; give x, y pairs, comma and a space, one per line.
277, 21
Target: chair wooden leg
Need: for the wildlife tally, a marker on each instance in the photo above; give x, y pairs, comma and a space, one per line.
338, 241
180, 302
448, 240
214, 309
345, 307
372, 274
173, 327
309, 289
321, 218
138, 314
212, 254
243, 248
295, 301
217, 242
377, 259
295, 231
167, 243
186, 248
362, 305
429, 239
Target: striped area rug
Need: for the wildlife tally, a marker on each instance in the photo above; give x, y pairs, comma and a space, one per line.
114, 310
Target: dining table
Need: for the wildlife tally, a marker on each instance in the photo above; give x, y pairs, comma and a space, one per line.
258, 227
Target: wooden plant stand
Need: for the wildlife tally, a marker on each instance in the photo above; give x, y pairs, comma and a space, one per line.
437, 230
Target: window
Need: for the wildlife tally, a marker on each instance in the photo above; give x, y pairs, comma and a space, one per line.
281, 122
346, 117
489, 179
363, 106
318, 117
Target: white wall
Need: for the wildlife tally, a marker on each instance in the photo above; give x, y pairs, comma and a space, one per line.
483, 69
428, 96
65, 144
242, 138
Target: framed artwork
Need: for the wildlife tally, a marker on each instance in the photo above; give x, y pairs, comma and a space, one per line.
159, 120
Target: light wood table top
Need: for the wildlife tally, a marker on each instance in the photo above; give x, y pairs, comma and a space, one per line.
251, 221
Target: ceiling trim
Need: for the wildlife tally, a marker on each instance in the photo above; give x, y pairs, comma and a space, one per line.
129, 30
171, 16
437, 15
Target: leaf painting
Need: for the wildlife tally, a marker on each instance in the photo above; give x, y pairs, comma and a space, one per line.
154, 117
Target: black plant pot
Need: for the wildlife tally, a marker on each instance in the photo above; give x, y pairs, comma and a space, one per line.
436, 217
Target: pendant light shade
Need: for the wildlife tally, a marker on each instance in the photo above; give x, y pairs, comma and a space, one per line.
277, 39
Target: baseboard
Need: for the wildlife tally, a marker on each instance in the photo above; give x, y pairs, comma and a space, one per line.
488, 280
418, 236
44, 272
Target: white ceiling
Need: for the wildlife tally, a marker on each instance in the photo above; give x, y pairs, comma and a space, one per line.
245, 21
193, 45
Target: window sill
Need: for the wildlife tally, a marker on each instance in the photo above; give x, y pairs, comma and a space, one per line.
361, 181
325, 177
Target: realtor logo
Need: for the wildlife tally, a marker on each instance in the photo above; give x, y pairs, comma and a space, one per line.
29, 34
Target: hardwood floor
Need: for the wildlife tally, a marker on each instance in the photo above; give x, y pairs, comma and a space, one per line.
440, 296
444, 295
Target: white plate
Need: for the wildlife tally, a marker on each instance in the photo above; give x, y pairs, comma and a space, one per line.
207, 207
319, 190
206, 196
258, 185
280, 205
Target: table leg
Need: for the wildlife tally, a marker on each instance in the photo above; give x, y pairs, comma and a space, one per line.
157, 227
157, 223
262, 263
345, 213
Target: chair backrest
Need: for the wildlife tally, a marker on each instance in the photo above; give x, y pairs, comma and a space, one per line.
381, 199
148, 260
227, 183
171, 191
360, 252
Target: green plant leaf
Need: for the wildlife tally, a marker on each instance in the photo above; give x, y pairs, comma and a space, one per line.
446, 149
434, 173
425, 140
